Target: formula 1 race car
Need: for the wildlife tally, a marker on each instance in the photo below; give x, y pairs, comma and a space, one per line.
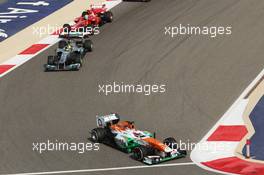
91, 19
142, 145
70, 53
98, 14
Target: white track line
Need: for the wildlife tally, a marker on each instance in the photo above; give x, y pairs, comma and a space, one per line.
105, 169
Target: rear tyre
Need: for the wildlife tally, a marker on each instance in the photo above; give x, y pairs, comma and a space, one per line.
108, 17
98, 135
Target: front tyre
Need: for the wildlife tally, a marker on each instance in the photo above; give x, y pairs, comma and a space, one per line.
50, 60
171, 142
140, 152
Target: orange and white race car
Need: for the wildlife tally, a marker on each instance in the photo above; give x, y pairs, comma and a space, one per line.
141, 144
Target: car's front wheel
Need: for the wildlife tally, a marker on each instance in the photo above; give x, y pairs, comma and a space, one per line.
50, 60
171, 142
140, 152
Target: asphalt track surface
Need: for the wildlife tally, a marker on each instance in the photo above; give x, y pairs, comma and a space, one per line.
203, 77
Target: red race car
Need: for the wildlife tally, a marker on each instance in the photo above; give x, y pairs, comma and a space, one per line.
91, 19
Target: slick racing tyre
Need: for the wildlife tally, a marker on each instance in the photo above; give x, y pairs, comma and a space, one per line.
171, 142
50, 60
108, 17
98, 135
88, 45
140, 152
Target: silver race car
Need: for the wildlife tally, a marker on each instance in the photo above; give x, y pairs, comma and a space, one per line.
70, 53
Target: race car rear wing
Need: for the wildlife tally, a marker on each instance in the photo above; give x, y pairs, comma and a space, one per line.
104, 121
97, 6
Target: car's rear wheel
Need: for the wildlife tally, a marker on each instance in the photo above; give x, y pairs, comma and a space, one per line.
108, 17
98, 135
88, 45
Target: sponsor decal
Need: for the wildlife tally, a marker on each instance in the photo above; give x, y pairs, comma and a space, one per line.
15, 15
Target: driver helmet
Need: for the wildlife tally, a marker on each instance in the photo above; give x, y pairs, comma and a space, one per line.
137, 133
86, 17
68, 47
